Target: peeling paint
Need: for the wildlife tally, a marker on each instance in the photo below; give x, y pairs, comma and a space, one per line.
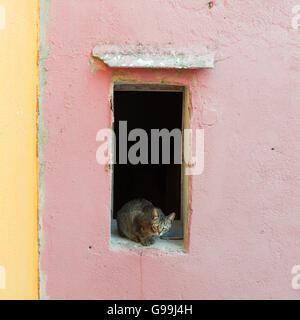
122, 76
146, 57
42, 134
97, 64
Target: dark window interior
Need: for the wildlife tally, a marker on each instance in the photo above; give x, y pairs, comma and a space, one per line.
158, 183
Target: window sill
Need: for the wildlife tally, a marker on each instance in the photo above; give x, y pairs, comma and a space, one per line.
117, 241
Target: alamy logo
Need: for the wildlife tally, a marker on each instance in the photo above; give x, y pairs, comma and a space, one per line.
296, 278
296, 18
193, 142
2, 278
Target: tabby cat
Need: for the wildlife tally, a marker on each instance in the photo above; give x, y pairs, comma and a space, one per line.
139, 220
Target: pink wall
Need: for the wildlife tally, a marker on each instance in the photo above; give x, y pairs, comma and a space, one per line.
245, 225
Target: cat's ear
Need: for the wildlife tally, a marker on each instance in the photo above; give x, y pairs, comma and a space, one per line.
171, 216
155, 214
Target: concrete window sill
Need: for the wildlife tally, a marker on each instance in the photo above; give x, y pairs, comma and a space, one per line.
117, 241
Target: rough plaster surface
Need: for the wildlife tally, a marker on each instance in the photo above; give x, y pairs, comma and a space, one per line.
42, 133
245, 226
148, 57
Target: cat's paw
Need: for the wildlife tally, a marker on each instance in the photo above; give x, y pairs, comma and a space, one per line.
147, 241
151, 240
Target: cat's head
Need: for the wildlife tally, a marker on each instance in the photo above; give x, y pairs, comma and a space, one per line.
161, 223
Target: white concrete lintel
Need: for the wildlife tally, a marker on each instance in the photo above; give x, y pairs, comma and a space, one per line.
145, 57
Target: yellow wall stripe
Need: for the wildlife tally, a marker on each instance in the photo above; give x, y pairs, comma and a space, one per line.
18, 149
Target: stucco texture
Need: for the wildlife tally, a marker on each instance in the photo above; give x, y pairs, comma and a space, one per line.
244, 234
